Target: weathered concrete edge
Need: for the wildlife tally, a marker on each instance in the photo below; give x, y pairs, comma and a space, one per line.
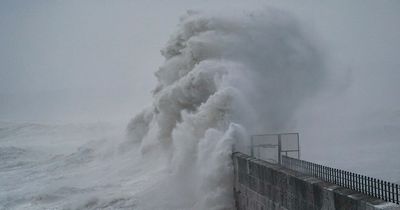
329, 189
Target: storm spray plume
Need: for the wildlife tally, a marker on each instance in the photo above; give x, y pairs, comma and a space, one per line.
223, 77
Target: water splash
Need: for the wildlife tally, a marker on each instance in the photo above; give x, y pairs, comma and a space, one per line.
223, 76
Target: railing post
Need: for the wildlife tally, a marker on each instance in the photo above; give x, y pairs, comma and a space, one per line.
252, 146
279, 148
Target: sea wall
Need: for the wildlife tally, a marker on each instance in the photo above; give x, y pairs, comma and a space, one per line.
260, 185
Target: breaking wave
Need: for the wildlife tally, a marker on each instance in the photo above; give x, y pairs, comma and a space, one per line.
223, 76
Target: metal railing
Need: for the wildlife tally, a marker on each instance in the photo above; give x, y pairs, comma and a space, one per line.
273, 146
373, 187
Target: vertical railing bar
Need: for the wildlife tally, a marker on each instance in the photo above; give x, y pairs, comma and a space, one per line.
350, 184
341, 177
362, 184
397, 193
372, 187
386, 191
330, 174
326, 173
389, 192
355, 182
369, 185
392, 192
352, 181
348, 179
306, 169
321, 172
334, 175
337, 176
315, 169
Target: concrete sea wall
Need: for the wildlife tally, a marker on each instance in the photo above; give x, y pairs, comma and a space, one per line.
260, 185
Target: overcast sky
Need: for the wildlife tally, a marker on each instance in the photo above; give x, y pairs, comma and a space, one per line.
66, 61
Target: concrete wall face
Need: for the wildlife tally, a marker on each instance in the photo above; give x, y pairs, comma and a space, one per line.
260, 185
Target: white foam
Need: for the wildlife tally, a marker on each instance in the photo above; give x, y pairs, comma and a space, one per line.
223, 75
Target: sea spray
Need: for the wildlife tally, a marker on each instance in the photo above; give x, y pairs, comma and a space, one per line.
223, 76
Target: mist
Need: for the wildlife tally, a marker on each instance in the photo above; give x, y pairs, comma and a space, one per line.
110, 104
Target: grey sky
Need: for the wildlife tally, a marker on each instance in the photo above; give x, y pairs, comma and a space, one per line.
69, 61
